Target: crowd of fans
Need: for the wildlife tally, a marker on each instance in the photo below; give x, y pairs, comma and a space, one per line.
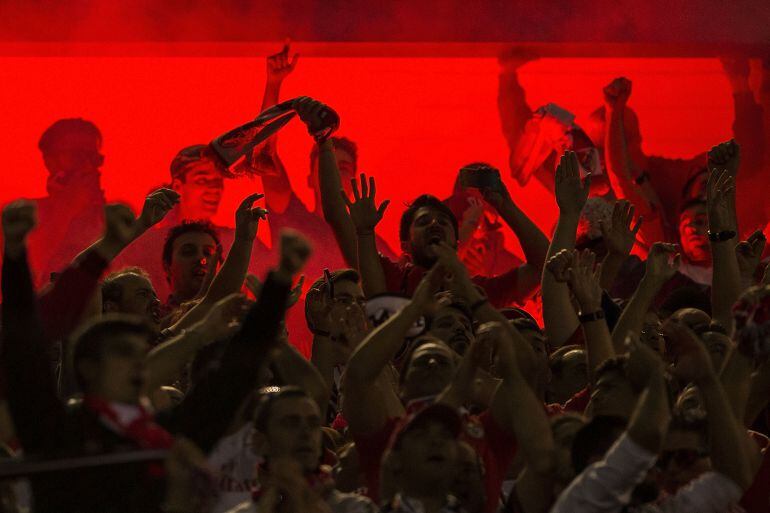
641, 383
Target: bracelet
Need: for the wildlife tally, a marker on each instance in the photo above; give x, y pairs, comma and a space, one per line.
478, 304
591, 317
722, 236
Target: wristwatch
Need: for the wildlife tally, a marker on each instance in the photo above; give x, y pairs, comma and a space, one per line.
722, 236
590, 317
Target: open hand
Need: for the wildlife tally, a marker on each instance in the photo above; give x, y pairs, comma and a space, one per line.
157, 204
571, 192
721, 201
279, 66
619, 236
663, 262
584, 281
247, 217
19, 219
559, 265
364, 212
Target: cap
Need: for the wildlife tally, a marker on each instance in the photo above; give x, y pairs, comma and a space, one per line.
436, 412
192, 154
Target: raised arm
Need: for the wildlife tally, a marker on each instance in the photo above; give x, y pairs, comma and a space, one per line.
625, 177
165, 362
725, 432
218, 395
583, 279
571, 195
606, 486
36, 411
365, 215
619, 236
269, 166
294, 369
333, 206
662, 263
533, 241
62, 305
366, 392
726, 286
231, 276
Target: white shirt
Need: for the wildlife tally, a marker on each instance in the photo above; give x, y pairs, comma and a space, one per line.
606, 486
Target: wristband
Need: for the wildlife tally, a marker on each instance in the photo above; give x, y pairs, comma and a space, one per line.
722, 236
591, 317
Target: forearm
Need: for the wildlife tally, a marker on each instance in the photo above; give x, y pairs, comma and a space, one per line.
598, 343
632, 319
759, 394
726, 284
620, 168
295, 370
165, 362
610, 268
558, 313
369, 264
735, 378
649, 422
323, 359
381, 346
533, 241
517, 409
334, 209
725, 434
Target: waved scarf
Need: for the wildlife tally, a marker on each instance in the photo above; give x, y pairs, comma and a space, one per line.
142, 430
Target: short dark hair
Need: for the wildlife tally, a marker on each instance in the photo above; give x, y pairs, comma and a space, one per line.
187, 227
556, 359
90, 342
594, 440
268, 401
690, 203
340, 143
64, 126
112, 290
414, 346
426, 200
449, 300
615, 364
321, 287
690, 183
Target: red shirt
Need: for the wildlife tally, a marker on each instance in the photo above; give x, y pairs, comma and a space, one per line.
403, 277
493, 444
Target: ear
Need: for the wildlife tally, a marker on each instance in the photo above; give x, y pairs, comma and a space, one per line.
110, 307
88, 369
176, 184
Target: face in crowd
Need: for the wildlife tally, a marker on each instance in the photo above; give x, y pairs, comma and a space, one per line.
430, 226
136, 297
453, 327
200, 189
693, 228
293, 430
428, 371
347, 165
73, 159
118, 373
190, 257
